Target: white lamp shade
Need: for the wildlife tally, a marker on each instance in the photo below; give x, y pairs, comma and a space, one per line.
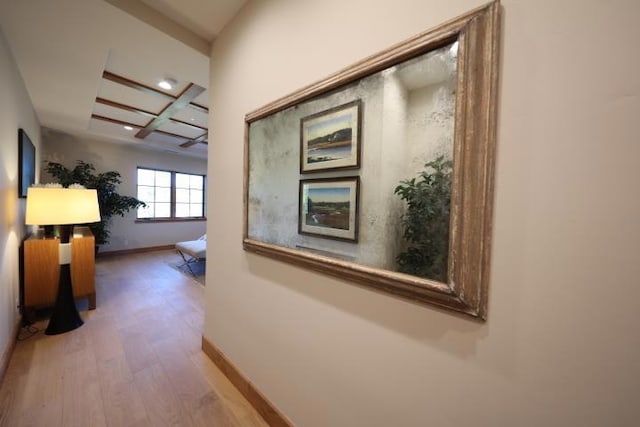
59, 206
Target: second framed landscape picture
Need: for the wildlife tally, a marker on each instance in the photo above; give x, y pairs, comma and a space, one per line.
329, 208
331, 139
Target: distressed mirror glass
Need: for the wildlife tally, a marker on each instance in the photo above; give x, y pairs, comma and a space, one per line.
382, 173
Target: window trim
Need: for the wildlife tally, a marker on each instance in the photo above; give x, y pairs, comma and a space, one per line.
185, 219
172, 201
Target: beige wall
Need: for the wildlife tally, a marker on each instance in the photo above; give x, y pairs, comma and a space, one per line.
561, 345
125, 232
16, 112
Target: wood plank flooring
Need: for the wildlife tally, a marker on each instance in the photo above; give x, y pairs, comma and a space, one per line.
135, 362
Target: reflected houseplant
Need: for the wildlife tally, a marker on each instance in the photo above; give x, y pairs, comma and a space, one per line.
426, 221
111, 203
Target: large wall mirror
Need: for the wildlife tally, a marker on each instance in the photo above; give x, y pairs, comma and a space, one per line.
382, 173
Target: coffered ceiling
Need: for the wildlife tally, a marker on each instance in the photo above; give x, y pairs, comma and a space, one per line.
91, 67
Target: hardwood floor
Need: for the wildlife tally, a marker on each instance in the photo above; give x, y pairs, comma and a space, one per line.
135, 362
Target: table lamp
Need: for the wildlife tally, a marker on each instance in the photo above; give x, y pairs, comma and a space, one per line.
63, 207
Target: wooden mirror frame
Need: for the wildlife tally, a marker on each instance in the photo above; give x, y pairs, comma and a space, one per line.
477, 33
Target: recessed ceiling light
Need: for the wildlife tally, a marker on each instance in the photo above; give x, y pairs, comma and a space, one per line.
128, 128
192, 119
167, 84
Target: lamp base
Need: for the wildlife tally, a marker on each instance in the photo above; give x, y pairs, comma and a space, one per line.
65, 315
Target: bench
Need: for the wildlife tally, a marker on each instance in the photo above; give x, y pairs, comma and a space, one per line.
192, 251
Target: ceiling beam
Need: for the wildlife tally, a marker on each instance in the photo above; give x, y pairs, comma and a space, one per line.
188, 124
136, 85
125, 107
107, 75
145, 113
199, 108
133, 125
189, 94
116, 121
199, 140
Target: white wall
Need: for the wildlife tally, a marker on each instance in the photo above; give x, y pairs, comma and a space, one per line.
16, 112
125, 232
560, 346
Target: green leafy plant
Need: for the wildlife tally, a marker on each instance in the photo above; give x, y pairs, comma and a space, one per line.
111, 203
426, 221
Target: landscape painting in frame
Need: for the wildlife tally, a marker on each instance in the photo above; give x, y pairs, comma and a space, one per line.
331, 139
329, 208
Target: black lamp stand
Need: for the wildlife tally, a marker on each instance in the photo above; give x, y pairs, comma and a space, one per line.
65, 315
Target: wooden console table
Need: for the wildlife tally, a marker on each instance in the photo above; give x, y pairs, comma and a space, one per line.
41, 268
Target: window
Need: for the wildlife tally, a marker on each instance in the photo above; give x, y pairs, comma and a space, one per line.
170, 195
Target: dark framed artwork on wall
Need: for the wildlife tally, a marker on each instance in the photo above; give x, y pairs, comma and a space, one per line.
26, 163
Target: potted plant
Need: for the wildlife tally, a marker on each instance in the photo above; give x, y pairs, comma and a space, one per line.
426, 221
111, 203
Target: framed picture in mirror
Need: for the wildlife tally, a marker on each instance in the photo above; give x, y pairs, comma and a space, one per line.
330, 139
329, 208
